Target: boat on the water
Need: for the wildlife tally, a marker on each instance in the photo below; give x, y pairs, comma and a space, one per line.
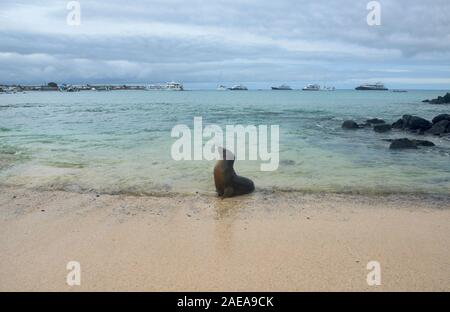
170, 86
238, 88
283, 87
312, 87
400, 91
372, 87
174, 86
221, 88
103, 88
69, 88
10, 90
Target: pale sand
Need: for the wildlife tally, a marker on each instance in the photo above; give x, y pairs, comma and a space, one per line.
262, 242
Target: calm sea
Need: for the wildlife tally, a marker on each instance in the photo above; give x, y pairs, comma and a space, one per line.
119, 142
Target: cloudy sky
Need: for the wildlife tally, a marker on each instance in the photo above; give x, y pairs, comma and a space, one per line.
206, 43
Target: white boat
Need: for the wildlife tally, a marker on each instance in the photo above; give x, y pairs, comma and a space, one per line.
11, 90
174, 86
238, 88
102, 88
372, 87
221, 88
283, 87
312, 87
170, 86
68, 88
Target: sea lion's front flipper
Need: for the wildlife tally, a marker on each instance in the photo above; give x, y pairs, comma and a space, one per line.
228, 192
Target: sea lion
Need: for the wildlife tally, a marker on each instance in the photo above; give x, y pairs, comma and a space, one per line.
228, 183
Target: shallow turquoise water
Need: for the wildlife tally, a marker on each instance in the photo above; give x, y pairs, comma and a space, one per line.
119, 142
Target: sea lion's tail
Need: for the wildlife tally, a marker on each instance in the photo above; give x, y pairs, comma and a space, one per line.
242, 185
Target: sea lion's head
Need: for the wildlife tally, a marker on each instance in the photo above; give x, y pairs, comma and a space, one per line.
227, 156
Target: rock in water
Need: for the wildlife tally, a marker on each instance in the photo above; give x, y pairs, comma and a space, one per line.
440, 100
398, 124
382, 128
409, 144
375, 121
440, 127
403, 144
350, 124
228, 183
416, 123
440, 117
423, 143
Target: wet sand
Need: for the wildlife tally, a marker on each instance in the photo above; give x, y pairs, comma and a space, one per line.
262, 242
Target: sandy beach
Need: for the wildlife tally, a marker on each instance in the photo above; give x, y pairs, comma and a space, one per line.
262, 242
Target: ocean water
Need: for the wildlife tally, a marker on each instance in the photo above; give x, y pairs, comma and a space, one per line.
120, 142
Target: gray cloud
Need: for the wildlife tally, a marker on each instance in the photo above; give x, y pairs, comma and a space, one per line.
241, 41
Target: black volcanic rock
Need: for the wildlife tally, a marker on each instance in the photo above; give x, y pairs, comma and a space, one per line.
375, 121
440, 127
416, 123
382, 128
398, 124
423, 143
403, 144
440, 100
441, 117
350, 125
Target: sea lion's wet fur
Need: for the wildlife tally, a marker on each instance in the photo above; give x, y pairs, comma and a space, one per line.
228, 183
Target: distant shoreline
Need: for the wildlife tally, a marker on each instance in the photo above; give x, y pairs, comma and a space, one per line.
141, 87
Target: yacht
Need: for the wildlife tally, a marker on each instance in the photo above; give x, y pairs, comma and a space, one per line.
68, 88
372, 87
282, 87
102, 88
174, 86
312, 87
238, 88
154, 87
170, 86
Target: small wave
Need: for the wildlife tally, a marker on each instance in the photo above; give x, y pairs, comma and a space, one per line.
155, 130
3, 129
8, 150
10, 155
59, 164
304, 111
262, 113
287, 162
161, 191
357, 192
25, 105
435, 199
95, 110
